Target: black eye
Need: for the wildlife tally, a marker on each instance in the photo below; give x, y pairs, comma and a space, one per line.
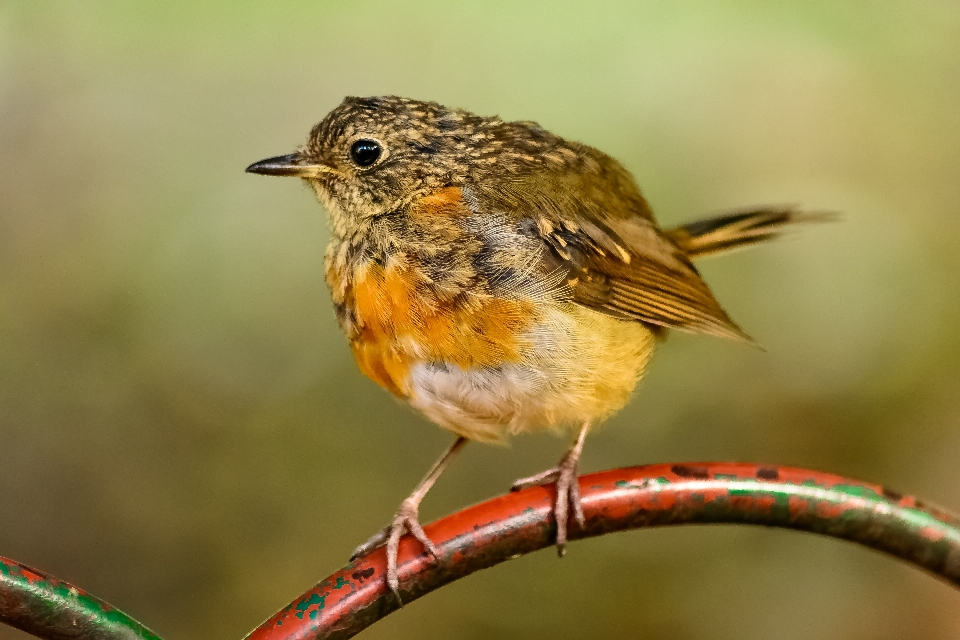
365, 152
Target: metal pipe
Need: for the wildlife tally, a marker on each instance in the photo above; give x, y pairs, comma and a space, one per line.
486, 534
52, 609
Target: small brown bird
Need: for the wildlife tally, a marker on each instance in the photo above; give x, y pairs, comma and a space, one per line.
499, 278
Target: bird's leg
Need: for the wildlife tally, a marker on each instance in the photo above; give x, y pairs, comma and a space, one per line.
568, 488
406, 519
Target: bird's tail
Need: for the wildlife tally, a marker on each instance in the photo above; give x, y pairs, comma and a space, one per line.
739, 229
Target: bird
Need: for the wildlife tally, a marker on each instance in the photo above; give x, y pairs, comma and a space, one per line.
501, 279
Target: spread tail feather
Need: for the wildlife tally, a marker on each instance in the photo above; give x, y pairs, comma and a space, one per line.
739, 229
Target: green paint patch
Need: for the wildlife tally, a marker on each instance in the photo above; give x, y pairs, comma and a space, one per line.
64, 599
748, 487
781, 497
343, 582
858, 491
921, 519
314, 599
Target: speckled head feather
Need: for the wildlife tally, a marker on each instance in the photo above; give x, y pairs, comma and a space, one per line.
426, 146
427, 141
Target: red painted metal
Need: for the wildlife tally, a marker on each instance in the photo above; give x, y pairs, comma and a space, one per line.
483, 535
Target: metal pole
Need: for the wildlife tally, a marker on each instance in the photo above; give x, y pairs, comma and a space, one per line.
481, 536
486, 534
49, 608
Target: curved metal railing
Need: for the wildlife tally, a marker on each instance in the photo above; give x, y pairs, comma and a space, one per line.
486, 534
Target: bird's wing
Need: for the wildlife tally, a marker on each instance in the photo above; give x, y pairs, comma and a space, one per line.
597, 229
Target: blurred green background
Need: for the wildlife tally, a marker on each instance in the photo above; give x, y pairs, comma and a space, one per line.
183, 431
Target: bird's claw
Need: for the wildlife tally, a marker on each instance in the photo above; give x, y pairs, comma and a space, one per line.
405, 520
568, 495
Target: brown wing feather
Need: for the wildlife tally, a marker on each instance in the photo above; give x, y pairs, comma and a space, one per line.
595, 225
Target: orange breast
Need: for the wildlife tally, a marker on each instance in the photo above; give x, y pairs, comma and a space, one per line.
399, 316
402, 322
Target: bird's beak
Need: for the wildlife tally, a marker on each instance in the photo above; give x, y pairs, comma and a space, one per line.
289, 165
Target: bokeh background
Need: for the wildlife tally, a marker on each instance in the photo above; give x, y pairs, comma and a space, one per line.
183, 430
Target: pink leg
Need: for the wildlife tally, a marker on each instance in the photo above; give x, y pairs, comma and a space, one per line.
406, 519
568, 488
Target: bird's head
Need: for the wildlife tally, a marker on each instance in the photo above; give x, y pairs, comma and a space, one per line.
369, 156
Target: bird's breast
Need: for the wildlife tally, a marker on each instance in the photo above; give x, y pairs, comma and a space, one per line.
396, 316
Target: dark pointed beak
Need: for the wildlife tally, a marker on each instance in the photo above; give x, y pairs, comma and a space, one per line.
291, 164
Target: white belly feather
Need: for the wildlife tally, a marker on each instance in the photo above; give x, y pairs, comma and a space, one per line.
581, 366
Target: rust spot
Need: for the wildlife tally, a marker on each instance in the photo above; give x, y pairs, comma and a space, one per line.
891, 494
768, 473
690, 471
360, 576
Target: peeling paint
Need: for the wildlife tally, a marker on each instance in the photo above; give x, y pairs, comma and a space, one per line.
637, 497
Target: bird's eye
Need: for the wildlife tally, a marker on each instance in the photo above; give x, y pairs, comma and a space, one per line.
365, 152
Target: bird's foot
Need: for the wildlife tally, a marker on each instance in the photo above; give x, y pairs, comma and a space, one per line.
568, 494
406, 519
